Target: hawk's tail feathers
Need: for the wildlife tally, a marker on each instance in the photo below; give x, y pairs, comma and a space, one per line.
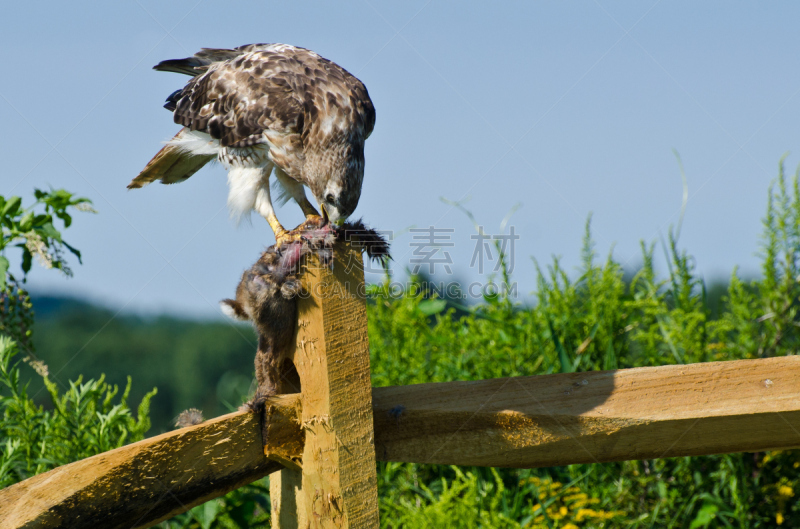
189, 66
172, 164
198, 63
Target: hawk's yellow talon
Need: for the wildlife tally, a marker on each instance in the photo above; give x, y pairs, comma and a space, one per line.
288, 237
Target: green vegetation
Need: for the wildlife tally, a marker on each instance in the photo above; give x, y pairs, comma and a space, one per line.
32, 230
595, 319
600, 321
84, 421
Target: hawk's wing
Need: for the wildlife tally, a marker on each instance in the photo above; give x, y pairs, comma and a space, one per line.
236, 100
239, 94
234, 97
266, 93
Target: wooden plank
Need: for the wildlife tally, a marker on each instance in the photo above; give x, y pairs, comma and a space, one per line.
699, 409
337, 486
540, 421
146, 482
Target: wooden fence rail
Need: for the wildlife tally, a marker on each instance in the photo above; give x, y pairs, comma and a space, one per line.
650, 412
320, 445
593, 417
143, 483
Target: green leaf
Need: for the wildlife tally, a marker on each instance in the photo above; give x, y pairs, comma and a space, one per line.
75, 251
429, 307
207, 513
49, 230
40, 219
662, 489
12, 206
4, 264
705, 516
27, 260
64, 216
491, 297
610, 360
26, 222
566, 365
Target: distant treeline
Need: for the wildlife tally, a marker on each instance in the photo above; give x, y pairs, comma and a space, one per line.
201, 364
204, 364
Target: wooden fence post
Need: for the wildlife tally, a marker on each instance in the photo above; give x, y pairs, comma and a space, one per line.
337, 485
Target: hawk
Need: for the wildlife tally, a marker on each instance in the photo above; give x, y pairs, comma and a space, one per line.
265, 108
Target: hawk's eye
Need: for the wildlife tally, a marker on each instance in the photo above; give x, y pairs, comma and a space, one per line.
329, 198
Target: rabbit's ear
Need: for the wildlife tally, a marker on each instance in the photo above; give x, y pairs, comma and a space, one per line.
233, 309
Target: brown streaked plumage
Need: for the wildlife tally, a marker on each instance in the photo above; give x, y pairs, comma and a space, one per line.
269, 106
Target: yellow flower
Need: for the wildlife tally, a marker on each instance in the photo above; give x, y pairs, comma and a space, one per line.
572, 497
785, 491
779, 519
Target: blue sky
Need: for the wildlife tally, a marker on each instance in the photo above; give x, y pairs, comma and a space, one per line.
565, 107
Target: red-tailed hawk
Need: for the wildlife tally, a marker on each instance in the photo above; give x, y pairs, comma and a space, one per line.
266, 107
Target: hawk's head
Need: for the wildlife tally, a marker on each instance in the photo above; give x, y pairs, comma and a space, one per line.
335, 177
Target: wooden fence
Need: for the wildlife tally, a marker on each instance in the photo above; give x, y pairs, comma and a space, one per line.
320, 442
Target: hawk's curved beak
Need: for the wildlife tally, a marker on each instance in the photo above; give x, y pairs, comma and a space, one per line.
325, 219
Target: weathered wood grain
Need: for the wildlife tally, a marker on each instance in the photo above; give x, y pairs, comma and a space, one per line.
644, 413
143, 483
337, 486
698, 409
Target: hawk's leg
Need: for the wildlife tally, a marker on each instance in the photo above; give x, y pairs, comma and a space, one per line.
281, 235
263, 205
297, 192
